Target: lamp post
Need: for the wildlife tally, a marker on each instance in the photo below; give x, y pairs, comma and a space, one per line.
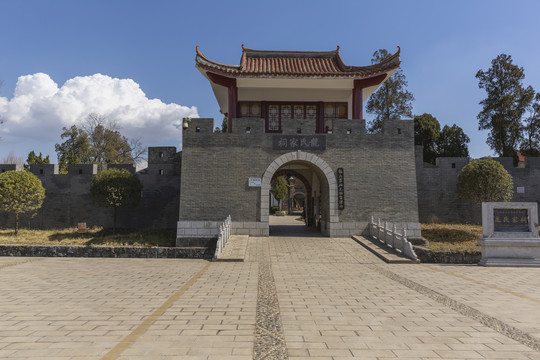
289, 207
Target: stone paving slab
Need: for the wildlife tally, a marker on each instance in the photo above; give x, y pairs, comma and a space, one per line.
331, 298
511, 295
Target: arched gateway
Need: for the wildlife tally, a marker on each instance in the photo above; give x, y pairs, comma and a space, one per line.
295, 112
307, 164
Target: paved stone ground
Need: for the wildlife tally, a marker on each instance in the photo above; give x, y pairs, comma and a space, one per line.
293, 297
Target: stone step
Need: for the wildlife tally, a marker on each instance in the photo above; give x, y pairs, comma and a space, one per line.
235, 249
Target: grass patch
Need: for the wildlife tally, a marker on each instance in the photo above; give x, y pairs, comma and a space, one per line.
94, 236
452, 237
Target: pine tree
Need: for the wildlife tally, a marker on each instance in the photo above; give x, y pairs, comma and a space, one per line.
506, 102
391, 101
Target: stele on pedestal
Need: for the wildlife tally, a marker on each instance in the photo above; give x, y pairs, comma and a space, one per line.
510, 234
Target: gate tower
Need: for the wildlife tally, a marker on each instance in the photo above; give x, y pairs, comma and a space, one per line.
297, 113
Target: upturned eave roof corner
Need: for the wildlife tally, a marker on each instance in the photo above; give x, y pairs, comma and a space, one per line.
295, 64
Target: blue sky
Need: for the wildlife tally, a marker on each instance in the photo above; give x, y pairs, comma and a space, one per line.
145, 50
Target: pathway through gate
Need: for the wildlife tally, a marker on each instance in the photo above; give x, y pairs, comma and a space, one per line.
291, 226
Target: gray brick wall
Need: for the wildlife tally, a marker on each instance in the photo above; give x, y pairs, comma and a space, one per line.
380, 172
437, 192
67, 197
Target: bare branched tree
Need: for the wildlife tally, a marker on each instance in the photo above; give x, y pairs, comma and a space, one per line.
11, 158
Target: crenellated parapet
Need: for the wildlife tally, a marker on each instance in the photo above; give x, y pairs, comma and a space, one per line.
256, 127
43, 169
11, 167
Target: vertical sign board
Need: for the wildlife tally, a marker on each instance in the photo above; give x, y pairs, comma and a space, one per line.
340, 189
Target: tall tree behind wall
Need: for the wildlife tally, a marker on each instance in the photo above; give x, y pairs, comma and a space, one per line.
506, 102
530, 144
97, 141
392, 100
453, 142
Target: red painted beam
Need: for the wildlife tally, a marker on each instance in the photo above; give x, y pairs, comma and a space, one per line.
358, 110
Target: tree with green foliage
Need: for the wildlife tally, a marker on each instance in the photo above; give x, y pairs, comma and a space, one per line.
506, 102
484, 180
530, 144
279, 189
426, 133
37, 159
224, 125
97, 141
391, 101
114, 188
20, 192
452, 142
74, 150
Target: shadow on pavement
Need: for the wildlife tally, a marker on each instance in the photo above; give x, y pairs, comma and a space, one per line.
291, 226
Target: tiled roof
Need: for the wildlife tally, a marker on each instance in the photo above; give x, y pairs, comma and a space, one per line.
263, 63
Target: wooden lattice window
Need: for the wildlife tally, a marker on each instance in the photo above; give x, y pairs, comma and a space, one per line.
249, 110
333, 111
274, 123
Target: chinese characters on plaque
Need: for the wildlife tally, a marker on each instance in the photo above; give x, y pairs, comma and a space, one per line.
511, 220
299, 142
340, 189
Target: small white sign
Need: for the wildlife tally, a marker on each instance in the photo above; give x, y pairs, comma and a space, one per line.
521, 189
255, 182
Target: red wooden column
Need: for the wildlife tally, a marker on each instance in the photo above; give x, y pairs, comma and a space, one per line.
357, 99
233, 99
230, 84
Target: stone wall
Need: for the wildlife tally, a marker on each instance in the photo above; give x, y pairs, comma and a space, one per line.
67, 196
437, 191
379, 172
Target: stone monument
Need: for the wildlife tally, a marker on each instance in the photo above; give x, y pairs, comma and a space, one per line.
510, 234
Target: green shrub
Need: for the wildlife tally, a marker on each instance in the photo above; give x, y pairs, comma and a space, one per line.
114, 188
273, 210
485, 180
20, 192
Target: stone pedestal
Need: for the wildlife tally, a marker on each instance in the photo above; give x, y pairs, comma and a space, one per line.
510, 234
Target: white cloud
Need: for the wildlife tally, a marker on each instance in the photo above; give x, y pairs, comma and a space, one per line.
39, 109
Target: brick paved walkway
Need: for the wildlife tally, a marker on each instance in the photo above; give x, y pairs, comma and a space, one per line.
295, 298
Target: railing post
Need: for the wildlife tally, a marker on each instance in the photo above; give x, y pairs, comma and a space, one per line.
394, 233
386, 232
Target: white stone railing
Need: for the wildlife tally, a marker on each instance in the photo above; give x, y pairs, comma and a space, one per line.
391, 238
223, 236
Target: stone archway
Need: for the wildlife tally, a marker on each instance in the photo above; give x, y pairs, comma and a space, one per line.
314, 161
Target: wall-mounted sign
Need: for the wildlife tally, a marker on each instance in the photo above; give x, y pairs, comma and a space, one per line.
299, 142
340, 189
81, 227
255, 182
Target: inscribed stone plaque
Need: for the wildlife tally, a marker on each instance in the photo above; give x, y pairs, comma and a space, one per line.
341, 189
511, 220
299, 142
